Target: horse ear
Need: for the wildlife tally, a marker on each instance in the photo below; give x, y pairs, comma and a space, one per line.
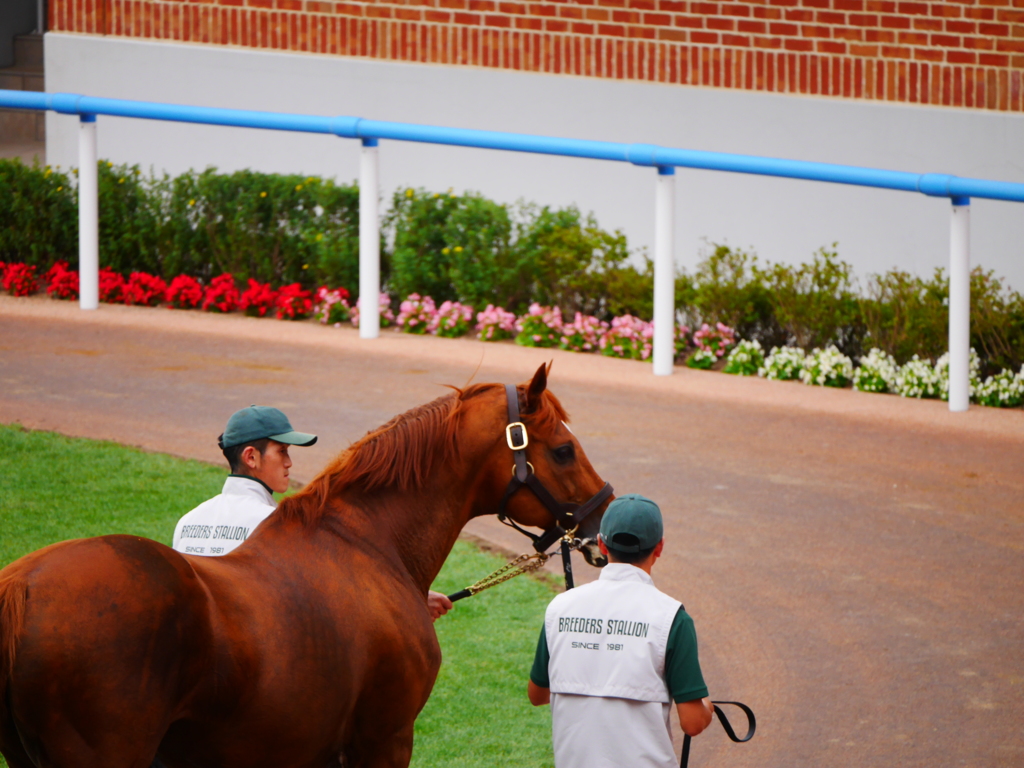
536, 388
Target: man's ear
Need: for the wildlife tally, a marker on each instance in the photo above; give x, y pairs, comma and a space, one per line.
536, 388
248, 456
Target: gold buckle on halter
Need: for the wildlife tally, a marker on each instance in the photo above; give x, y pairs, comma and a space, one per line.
511, 442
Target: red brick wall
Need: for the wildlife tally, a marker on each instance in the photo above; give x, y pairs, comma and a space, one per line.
961, 53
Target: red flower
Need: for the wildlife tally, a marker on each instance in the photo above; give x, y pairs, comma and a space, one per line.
57, 268
293, 303
112, 286
222, 295
144, 289
20, 279
258, 299
184, 293
62, 283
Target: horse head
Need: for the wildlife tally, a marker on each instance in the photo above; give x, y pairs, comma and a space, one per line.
552, 485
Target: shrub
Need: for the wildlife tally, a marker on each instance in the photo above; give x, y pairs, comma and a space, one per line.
629, 337
416, 314
268, 227
1004, 390
917, 378
905, 316
583, 334
452, 320
38, 215
746, 359
540, 327
331, 307
20, 280
61, 282
129, 220
973, 376
258, 299
112, 285
783, 364
701, 359
827, 368
221, 295
729, 287
387, 317
715, 340
816, 304
877, 372
421, 258
484, 266
293, 303
997, 322
566, 260
184, 292
144, 290
495, 324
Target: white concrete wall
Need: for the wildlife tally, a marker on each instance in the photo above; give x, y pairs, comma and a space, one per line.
783, 220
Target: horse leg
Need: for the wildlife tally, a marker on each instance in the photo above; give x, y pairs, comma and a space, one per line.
393, 751
11, 747
65, 745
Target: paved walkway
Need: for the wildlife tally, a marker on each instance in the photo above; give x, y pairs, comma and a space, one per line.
853, 562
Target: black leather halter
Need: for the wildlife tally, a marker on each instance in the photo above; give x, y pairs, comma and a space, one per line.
567, 516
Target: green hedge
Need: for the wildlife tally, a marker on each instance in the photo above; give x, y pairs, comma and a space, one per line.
285, 228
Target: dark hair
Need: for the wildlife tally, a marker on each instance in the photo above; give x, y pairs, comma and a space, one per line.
234, 453
630, 558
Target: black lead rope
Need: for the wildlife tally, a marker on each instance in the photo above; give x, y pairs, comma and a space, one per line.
567, 564
684, 759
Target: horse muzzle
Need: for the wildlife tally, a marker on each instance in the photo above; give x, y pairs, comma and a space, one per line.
592, 553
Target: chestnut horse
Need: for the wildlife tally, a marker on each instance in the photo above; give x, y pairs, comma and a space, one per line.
310, 644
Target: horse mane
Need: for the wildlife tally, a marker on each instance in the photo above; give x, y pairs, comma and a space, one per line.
403, 453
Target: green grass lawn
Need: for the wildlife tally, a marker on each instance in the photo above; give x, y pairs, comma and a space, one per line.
54, 488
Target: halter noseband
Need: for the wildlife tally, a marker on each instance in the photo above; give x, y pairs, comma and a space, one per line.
567, 516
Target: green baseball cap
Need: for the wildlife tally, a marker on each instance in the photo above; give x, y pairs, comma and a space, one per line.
259, 421
632, 523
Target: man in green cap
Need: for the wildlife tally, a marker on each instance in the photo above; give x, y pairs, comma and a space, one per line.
255, 443
614, 654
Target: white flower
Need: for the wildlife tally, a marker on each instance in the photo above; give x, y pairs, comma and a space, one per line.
783, 363
827, 368
877, 373
917, 379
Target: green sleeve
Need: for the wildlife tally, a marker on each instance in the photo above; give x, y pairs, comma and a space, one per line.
682, 667
539, 673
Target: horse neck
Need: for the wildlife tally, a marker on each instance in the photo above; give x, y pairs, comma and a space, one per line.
417, 528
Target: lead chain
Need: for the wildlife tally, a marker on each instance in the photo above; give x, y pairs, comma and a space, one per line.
526, 563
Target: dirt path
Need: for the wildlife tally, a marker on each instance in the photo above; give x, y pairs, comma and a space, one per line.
853, 562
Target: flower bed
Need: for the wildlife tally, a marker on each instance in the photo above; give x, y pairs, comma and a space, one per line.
626, 336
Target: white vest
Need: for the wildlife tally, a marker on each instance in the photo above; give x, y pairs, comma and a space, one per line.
608, 638
219, 525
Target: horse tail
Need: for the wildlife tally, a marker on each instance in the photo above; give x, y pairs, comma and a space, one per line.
13, 597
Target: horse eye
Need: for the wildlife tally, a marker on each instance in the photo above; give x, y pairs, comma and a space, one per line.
564, 453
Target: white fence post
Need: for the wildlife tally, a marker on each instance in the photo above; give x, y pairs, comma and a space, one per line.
369, 241
88, 215
960, 304
664, 272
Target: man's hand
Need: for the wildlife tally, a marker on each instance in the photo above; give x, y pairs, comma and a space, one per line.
438, 605
538, 695
695, 716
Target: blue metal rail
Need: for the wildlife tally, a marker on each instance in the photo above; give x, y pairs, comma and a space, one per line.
933, 184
